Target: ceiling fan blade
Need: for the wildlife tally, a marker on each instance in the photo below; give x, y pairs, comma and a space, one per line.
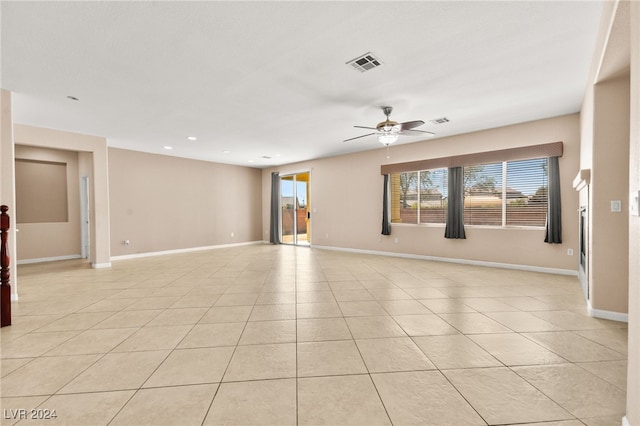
409, 131
358, 137
410, 125
365, 127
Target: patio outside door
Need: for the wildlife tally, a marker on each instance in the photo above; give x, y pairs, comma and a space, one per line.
294, 202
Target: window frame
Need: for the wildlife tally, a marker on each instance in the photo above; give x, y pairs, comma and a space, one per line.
419, 199
503, 199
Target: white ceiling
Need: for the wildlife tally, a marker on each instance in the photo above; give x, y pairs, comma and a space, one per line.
270, 79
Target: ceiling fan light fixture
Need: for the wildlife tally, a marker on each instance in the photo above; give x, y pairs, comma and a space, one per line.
388, 130
387, 138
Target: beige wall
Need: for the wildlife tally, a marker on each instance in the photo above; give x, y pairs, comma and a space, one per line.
633, 376
609, 231
604, 133
163, 203
352, 183
95, 151
41, 183
610, 143
52, 239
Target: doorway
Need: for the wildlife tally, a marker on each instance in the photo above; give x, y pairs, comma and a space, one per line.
295, 216
85, 247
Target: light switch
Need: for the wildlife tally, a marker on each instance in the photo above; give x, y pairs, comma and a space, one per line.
616, 206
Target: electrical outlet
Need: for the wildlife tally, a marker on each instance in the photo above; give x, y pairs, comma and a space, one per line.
570, 252
616, 206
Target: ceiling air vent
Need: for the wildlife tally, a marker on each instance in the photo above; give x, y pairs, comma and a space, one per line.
440, 120
365, 62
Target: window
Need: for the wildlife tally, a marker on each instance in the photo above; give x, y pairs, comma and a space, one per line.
527, 192
509, 193
433, 196
419, 197
482, 194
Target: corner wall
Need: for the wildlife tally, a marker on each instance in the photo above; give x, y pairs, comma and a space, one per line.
605, 133
346, 200
633, 364
609, 230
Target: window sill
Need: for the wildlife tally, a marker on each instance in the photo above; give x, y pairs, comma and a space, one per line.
424, 225
442, 225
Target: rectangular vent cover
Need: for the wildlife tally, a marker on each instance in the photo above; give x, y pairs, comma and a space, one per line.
441, 120
365, 62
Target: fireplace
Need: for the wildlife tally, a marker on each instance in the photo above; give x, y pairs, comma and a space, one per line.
583, 250
581, 184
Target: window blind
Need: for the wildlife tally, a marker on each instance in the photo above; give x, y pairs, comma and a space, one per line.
527, 192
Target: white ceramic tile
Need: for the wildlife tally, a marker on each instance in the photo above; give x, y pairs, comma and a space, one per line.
581, 393
183, 405
423, 398
393, 354
339, 400
512, 349
262, 402
256, 362
502, 397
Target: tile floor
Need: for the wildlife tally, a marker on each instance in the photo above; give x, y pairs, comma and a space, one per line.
286, 335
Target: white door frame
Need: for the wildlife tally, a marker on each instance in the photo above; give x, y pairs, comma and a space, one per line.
85, 243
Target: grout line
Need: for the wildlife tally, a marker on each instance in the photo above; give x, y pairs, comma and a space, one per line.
232, 264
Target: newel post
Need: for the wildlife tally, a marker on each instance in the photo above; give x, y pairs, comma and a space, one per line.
5, 294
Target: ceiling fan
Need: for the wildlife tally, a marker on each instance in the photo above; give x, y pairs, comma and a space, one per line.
389, 130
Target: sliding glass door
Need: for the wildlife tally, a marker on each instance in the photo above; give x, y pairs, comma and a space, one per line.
295, 217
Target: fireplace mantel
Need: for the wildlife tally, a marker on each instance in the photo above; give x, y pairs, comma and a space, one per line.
582, 179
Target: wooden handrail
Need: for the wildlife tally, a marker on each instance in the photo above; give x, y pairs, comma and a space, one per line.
5, 284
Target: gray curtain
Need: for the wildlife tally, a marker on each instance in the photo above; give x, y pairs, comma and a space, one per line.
275, 209
554, 212
455, 205
386, 223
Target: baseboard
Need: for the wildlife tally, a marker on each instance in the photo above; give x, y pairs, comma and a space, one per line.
453, 260
608, 315
625, 421
101, 265
180, 251
49, 259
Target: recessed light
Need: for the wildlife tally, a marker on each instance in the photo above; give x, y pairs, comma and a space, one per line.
192, 138
226, 151
167, 147
73, 98
250, 161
